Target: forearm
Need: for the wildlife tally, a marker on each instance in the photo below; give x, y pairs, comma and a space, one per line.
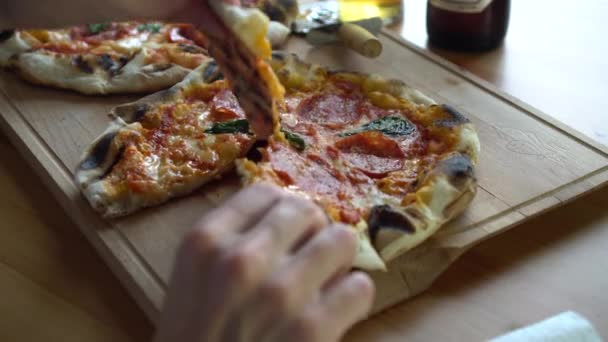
37, 13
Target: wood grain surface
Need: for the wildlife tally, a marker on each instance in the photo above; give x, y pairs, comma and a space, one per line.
59, 289
51, 128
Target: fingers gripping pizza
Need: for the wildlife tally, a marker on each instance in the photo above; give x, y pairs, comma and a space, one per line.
125, 57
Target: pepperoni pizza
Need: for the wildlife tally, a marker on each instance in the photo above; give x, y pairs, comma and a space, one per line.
374, 153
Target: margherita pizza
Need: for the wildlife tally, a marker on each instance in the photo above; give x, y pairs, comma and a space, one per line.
126, 57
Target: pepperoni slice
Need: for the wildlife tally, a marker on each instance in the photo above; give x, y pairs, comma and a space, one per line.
373, 143
373, 166
372, 152
225, 106
308, 175
332, 110
312, 174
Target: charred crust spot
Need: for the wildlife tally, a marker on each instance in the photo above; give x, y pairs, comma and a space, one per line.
385, 217
458, 168
98, 153
133, 112
211, 72
278, 55
455, 119
6, 35
456, 115
274, 12
161, 67
114, 162
122, 61
106, 62
82, 65
189, 48
139, 110
255, 153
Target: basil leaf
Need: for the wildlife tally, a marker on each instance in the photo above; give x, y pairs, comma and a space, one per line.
234, 126
389, 125
96, 28
150, 27
294, 140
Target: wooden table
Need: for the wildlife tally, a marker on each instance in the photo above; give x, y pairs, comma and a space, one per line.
55, 287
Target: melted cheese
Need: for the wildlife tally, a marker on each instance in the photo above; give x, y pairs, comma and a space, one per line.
249, 24
168, 150
121, 41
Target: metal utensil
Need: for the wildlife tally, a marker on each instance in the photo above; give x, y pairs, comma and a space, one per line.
320, 24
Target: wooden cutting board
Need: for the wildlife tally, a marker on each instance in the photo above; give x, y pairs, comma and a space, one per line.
529, 164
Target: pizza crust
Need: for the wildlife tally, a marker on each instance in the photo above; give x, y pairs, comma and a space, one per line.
11, 46
366, 258
60, 72
445, 192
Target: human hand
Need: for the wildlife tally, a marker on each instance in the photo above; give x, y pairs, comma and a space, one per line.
265, 266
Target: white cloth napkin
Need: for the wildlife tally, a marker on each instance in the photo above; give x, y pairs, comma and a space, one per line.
565, 327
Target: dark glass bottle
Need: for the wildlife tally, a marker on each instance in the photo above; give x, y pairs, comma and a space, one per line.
467, 25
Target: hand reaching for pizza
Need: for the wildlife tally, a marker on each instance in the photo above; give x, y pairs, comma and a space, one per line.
266, 266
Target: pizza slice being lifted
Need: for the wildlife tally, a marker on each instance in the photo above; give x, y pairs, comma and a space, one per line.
237, 41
